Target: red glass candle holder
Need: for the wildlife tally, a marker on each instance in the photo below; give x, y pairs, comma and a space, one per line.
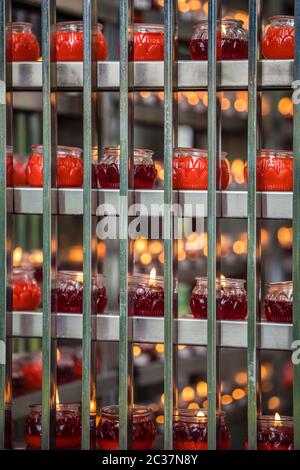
148, 42
21, 44
9, 166
190, 169
275, 434
146, 296
69, 167
231, 299
26, 293
68, 426
67, 293
143, 429
274, 170
279, 302
19, 172
190, 430
232, 41
67, 42
278, 41
108, 170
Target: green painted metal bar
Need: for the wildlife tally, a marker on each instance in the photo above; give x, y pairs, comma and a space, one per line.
48, 9
254, 14
296, 234
126, 164
3, 222
88, 384
212, 225
168, 222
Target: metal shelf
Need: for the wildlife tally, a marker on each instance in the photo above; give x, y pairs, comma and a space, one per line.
192, 75
190, 331
230, 204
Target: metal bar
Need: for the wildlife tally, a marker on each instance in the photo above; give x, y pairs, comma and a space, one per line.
88, 382
254, 11
296, 234
211, 224
3, 223
169, 13
48, 11
126, 164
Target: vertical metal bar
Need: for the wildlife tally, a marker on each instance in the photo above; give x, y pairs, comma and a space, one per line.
254, 9
3, 221
296, 233
212, 224
88, 382
168, 222
49, 178
126, 163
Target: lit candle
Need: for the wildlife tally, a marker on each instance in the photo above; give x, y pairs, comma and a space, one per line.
190, 430
146, 295
68, 426
275, 433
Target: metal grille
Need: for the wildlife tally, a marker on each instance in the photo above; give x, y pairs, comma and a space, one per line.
125, 77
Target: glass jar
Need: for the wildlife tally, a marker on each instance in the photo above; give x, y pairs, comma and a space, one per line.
278, 41
68, 426
69, 167
274, 170
148, 42
278, 305
190, 430
190, 169
146, 296
19, 171
143, 428
9, 166
232, 40
275, 434
67, 42
26, 292
21, 44
231, 299
108, 169
67, 293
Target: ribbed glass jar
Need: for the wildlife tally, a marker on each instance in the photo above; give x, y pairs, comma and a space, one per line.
278, 41
278, 304
232, 40
143, 428
231, 299
190, 430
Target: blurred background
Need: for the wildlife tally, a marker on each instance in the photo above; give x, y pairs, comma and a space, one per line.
275, 235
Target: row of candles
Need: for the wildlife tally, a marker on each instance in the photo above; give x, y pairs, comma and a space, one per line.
190, 169
148, 41
189, 429
146, 296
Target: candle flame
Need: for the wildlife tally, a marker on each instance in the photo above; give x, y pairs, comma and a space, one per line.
17, 256
277, 417
92, 406
152, 277
57, 397
58, 355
